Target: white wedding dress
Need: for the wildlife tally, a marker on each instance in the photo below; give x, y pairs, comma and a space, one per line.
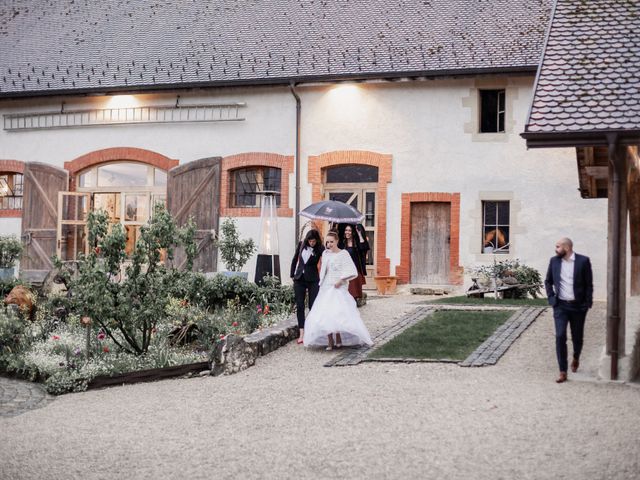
335, 310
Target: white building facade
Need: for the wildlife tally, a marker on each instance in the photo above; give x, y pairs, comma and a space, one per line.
410, 154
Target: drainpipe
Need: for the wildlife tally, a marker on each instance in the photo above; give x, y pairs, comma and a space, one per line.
298, 110
614, 319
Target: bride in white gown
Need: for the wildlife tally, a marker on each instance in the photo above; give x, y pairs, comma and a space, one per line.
334, 310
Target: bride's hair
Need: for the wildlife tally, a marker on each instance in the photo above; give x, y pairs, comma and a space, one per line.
332, 233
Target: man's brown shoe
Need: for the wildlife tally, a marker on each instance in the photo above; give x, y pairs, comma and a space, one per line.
562, 378
575, 363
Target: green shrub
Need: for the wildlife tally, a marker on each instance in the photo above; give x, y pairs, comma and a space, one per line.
234, 252
10, 251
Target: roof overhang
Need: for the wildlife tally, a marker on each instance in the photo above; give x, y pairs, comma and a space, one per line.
600, 138
277, 81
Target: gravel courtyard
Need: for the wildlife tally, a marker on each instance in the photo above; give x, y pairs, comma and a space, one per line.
291, 417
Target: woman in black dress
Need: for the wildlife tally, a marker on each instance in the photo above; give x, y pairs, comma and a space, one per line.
354, 241
304, 272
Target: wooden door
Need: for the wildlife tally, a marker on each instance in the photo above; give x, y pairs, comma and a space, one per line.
193, 190
73, 209
42, 183
363, 198
430, 236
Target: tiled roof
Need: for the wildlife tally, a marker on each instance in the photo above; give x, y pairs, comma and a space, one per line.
589, 78
83, 45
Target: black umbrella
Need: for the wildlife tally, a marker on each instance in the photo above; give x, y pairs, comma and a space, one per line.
332, 211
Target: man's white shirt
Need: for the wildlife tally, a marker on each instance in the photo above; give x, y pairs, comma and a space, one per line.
566, 278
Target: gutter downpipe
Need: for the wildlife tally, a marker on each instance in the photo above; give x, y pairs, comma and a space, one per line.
614, 319
292, 86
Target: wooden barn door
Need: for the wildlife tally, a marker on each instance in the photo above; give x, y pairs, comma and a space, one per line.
193, 190
430, 236
42, 183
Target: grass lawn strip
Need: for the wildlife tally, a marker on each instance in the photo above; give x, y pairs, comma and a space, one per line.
450, 335
536, 302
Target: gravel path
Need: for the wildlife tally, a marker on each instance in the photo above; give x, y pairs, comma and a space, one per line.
290, 417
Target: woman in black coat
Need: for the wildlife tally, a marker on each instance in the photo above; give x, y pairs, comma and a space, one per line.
304, 272
354, 241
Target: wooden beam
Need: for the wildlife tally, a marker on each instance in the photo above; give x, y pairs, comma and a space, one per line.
616, 256
597, 172
633, 202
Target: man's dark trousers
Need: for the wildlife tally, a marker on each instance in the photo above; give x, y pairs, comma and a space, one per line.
568, 313
300, 287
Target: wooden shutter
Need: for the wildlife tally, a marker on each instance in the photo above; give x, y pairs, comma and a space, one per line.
193, 190
42, 183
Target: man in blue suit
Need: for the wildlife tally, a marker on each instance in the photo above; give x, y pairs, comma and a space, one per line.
569, 286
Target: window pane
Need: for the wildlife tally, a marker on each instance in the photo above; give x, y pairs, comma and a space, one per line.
110, 202
490, 216
344, 198
503, 213
160, 178
352, 174
122, 175
136, 208
370, 254
490, 105
10, 191
87, 179
370, 209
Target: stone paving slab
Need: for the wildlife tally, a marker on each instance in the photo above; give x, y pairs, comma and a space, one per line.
490, 351
17, 396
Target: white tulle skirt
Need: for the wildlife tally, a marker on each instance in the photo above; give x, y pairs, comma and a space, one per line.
335, 311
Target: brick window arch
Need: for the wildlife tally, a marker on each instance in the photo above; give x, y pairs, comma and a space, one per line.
11, 188
117, 153
254, 162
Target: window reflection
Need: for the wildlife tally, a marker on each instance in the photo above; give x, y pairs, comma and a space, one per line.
136, 208
122, 175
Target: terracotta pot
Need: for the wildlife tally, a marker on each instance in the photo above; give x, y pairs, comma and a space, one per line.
386, 284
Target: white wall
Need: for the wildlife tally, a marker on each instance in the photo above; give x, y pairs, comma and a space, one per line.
427, 126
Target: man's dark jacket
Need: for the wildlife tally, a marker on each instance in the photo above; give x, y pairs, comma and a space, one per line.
582, 281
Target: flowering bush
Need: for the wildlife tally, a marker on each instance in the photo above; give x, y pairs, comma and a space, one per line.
522, 273
61, 359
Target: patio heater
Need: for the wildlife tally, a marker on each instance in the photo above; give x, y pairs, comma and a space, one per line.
268, 261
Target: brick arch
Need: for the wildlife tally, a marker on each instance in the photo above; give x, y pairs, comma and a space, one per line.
255, 159
117, 153
11, 166
359, 157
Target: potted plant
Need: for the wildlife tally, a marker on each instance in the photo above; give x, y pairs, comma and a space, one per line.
235, 253
10, 251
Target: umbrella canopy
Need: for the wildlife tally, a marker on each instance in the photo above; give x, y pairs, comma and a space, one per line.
332, 211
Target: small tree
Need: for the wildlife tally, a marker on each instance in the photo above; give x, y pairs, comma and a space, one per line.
127, 309
235, 253
10, 251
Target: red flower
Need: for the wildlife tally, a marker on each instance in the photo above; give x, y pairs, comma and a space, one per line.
266, 309
234, 324
56, 337
222, 336
97, 250
101, 336
105, 349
